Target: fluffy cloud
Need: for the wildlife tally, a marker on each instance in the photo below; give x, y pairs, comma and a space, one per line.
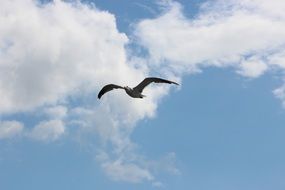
58, 55
280, 94
9, 129
55, 57
252, 67
224, 34
56, 111
278, 59
126, 172
57, 50
134, 168
48, 130
247, 35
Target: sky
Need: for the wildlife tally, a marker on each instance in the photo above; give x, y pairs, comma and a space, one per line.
221, 128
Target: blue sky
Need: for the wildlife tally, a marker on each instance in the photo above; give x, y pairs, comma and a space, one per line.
222, 128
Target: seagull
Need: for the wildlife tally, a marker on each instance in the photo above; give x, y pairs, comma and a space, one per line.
135, 92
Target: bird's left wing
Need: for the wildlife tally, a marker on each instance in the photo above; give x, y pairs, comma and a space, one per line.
149, 80
108, 88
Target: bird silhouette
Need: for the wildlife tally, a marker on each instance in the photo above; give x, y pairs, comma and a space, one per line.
135, 92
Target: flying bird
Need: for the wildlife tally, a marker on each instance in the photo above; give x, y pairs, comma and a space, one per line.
135, 92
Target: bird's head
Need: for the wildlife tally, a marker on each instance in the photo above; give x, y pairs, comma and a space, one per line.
127, 88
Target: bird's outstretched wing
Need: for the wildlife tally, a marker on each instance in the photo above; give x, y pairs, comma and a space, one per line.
108, 88
149, 80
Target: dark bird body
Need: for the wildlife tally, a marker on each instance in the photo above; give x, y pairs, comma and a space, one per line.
135, 92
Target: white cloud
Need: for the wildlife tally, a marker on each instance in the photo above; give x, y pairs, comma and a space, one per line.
269, 8
129, 166
54, 54
60, 53
280, 94
126, 172
278, 59
10, 129
247, 35
48, 131
223, 34
252, 67
55, 51
56, 111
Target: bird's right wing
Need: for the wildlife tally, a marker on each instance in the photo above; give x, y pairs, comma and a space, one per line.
108, 88
149, 80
